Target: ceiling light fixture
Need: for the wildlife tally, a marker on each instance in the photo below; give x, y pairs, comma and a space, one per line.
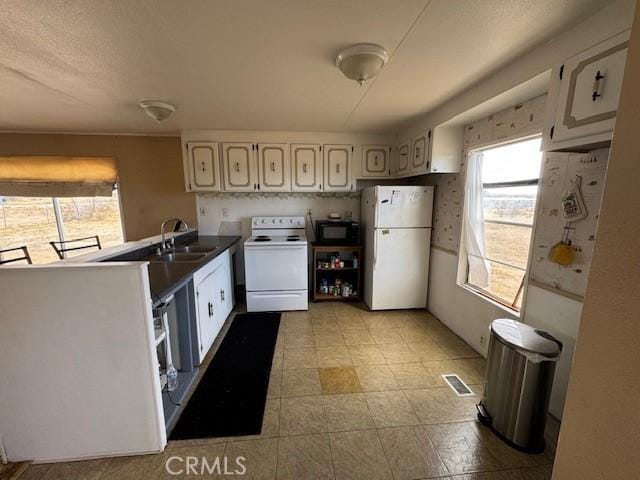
157, 110
362, 61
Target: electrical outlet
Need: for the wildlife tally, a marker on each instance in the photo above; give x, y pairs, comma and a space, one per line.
308, 211
482, 339
203, 212
348, 214
225, 212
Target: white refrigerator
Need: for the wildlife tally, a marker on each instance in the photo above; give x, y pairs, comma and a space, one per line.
397, 232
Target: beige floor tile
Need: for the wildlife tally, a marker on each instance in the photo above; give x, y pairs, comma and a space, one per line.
499, 475
326, 326
293, 316
305, 457
366, 355
350, 322
378, 320
174, 462
298, 340
441, 405
470, 370
335, 380
347, 412
302, 415
428, 350
536, 473
302, 325
261, 457
271, 418
414, 334
278, 356
359, 456
332, 339
412, 375
398, 353
374, 378
408, 456
358, 336
34, 472
385, 335
459, 448
300, 382
454, 347
333, 357
275, 384
84, 470
300, 358
390, 409
507, 456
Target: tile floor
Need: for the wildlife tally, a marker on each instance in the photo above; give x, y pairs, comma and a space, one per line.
353, 395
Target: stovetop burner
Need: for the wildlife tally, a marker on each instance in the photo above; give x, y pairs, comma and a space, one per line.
262, 238
293, 238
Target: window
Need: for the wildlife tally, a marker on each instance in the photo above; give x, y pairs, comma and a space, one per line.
506, 180
33, 221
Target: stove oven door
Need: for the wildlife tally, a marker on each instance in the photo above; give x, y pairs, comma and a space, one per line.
275, 267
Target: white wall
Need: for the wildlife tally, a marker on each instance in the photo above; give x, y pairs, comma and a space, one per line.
466, 313
560, 316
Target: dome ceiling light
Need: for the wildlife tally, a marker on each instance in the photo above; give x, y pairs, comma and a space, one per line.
362, 61
157, 110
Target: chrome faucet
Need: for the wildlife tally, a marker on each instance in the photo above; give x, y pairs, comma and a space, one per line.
166, 244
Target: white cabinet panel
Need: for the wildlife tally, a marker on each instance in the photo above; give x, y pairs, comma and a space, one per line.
274, 167
203, 167
420, 154
337, 168
586, 93
306, 167
208, 326
403, 164
375, 162
239, 167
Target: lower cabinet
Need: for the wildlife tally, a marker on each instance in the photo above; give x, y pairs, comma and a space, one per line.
213, 286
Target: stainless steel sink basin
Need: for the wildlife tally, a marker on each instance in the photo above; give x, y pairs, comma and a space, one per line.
178, 257
193, 249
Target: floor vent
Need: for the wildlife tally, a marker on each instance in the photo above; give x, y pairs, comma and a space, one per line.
457, 385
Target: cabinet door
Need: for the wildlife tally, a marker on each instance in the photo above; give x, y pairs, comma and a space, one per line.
239, 166
337, 168
203, 166
208, 326
223, 293
375, 161
306, 168
590, 90
274, 167
403, 165
420, 154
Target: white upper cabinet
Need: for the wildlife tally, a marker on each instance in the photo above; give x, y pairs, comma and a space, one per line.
420, 154
403, 163
376, 161
203, 167
306, 167
239, 167
337, 168
446, 149
274, 167
584, 96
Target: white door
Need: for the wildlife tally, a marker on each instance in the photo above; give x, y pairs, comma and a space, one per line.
403, 165
306, 168
375, 161
403, 207
400, 268
337, 168
239, 165
222, 294
208, 326
204, 166
420, 154
275, 267
590, 90
274, 167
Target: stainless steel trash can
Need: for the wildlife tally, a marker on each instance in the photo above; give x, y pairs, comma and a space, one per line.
520, 368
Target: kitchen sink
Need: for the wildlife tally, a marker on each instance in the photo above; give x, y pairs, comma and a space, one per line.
178, 257
192, 249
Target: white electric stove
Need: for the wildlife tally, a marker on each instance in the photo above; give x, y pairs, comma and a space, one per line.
276, 265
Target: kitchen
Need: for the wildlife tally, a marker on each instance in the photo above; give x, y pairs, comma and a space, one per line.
338, 362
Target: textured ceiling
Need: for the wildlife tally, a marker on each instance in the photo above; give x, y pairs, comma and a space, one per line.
82, 66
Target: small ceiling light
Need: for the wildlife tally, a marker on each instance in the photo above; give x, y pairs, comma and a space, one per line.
157, 110
362, 61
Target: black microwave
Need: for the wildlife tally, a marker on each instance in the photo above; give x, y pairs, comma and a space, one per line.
337, 232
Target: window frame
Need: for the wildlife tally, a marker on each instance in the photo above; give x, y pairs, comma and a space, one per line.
464, 281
